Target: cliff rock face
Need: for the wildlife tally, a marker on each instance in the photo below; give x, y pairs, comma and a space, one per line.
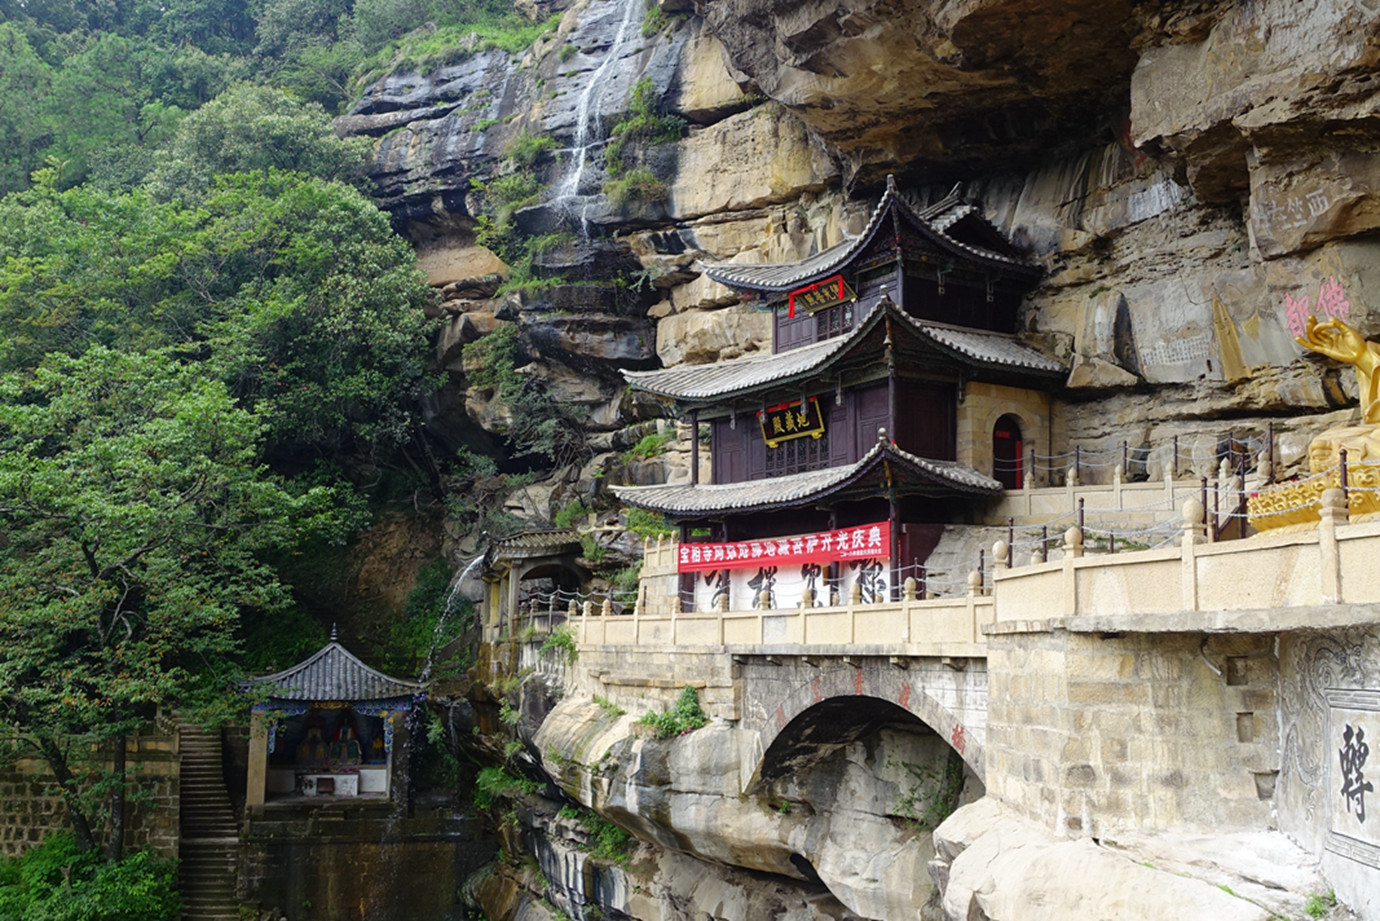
1196, 177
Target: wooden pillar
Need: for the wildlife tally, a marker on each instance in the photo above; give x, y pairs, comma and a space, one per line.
685, 586
694, 447
895, 519
257, 781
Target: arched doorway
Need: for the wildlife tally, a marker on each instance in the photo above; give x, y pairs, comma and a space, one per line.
1008, 453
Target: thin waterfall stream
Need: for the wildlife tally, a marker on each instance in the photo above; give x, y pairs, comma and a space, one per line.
589, 112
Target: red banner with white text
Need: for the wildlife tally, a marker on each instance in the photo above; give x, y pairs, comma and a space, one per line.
857, 543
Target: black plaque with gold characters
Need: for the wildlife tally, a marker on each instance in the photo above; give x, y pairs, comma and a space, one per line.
821, 294
795, 419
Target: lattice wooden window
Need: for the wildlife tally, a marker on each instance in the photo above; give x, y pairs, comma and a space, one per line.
833, 321
798, 455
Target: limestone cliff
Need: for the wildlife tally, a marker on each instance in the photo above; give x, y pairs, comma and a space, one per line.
1195, 177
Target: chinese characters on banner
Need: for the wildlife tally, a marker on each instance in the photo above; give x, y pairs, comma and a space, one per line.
861, 542
1331, 304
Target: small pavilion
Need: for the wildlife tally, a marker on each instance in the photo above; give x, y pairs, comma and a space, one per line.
527, 563
329, 726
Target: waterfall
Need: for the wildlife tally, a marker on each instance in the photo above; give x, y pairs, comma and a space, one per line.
453, 596
589, 111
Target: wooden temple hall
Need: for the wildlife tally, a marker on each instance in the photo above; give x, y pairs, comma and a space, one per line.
896, 398
330, 726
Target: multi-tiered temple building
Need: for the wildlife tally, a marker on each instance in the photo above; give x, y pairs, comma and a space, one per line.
896, 396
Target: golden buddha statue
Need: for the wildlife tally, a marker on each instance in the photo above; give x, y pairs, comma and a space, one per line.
1337, 339
1295, 504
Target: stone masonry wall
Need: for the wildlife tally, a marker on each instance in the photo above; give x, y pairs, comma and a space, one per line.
983, 404
30, 808
1094, 734
639, 679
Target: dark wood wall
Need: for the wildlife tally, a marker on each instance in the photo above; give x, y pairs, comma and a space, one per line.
802, 329
925, 425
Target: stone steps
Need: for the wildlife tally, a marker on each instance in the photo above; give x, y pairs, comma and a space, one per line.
207, 875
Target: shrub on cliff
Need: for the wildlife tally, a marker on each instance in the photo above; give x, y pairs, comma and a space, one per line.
685, 716
56, 882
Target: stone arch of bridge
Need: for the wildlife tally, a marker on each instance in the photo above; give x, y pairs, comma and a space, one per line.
842, 704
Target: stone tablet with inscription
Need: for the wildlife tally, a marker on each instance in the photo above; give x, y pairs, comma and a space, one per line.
1353, 828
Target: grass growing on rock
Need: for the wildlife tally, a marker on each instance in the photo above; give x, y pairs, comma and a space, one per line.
685, 716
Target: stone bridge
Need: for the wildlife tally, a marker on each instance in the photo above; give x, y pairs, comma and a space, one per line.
1204, 686
804, 678
794, 703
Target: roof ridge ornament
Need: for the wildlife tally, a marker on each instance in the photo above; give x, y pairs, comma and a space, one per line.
333, 633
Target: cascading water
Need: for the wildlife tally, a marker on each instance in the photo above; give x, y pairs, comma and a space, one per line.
453, 597
589, 112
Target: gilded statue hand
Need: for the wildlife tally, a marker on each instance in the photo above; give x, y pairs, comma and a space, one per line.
1334, 339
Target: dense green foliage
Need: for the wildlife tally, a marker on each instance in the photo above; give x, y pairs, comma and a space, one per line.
135, 512
294, 292
250, 128
97, 87
212, 353
209, 339
685, 716
56, 882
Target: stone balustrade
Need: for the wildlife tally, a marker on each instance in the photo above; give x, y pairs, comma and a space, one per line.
1133, 504
1274, 578
935, 626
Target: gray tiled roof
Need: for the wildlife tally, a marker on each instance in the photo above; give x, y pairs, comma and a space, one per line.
723, 379
332, 673
544, 539
990, 347
934, 221
800, 488
736, 375
532, 543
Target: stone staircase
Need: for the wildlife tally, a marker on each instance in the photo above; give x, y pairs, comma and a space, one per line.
210, 839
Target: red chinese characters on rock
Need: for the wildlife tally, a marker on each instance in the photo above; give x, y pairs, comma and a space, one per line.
857, 543
1331, 304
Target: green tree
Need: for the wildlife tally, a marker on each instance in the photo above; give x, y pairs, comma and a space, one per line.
102, 103
24, 78
135, 512
250, 128
301, 49
293, 291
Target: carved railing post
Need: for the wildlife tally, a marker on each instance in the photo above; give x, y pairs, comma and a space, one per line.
1073, 543
1332, 511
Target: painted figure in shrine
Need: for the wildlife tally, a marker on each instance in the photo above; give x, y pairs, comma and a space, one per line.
345, 748
312, 750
